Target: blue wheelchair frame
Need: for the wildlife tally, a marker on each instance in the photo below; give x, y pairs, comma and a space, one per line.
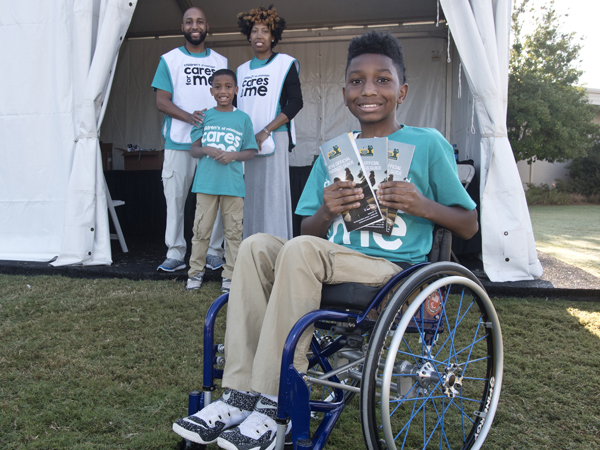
439, 382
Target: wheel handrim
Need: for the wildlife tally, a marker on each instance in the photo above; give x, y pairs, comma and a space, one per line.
440, 376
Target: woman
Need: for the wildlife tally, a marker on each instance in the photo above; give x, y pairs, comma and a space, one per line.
270, 93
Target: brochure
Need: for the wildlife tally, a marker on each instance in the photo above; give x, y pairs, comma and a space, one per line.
374, 155
343, 162
399, 159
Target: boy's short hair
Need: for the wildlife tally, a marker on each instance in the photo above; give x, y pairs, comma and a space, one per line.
378, 43
229, 72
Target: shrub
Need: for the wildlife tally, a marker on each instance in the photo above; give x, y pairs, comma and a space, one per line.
584, 176
544, 195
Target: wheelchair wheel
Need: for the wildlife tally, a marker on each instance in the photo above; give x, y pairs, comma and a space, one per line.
434, 371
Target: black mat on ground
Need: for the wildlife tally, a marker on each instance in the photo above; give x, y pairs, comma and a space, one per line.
146, 254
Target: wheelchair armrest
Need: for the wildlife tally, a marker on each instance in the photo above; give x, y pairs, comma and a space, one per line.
441, 247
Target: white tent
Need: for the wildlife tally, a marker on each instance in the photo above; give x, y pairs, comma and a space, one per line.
52, 202
59, 63
481, 30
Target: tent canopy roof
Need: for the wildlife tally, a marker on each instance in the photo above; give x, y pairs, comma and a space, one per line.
163, 17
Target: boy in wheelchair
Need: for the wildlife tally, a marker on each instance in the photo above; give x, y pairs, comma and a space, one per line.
276, 282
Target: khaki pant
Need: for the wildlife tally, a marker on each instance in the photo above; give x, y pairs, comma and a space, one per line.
177, 177
232, 211
275, 283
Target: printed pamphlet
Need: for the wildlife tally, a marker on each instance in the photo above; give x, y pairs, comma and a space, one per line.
374, 155
343, 162
399, 158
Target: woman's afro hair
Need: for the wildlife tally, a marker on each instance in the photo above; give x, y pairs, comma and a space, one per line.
378, 43
268, 16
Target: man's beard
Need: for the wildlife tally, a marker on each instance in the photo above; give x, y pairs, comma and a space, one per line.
200, 40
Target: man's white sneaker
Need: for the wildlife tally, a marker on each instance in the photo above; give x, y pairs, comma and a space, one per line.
213, 262
171, 265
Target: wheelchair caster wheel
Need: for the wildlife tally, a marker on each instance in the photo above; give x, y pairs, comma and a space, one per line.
184, 444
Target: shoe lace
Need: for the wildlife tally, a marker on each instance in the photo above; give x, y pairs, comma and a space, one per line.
217, 411
258, 423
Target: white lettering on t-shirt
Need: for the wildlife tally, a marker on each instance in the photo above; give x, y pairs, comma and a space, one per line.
215, 138
339, 222
398, 230
364, 238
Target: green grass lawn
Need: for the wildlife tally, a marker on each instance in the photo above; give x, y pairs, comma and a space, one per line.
107, 364
569, 233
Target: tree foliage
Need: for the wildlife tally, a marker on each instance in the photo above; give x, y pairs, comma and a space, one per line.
549, 117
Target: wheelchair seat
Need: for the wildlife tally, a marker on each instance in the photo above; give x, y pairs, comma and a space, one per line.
348, 296
356, 297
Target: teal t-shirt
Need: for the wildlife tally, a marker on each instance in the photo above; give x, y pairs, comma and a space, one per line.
162, 80
432, 171
231, 132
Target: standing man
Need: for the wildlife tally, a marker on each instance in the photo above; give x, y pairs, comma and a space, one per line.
182, 85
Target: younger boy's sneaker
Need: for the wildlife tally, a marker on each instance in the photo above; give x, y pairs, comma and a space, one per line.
213, 262
194, 282
206, 425
258, 431
171, 265
225, 285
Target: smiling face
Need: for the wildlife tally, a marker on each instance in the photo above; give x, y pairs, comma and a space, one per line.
194, 26
373, 90
223, 90
260, 40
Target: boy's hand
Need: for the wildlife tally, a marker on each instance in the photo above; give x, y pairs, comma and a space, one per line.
339, 197
403, 196
226, 157
213, 152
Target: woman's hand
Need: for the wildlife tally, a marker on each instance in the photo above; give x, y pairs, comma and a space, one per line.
261, 137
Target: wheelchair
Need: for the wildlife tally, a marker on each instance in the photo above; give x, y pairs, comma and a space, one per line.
424, 353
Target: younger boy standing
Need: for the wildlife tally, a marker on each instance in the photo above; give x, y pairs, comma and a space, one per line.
223, 140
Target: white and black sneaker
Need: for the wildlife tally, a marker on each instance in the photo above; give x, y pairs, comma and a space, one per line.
226, 285
257, 432
206, 425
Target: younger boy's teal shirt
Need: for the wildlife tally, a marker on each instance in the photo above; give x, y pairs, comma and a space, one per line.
231, 132
432, 171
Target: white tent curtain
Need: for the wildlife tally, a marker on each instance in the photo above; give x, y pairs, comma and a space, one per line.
481, 31
99, 28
